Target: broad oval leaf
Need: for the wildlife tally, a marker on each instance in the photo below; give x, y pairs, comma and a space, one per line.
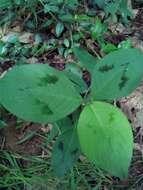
38, 93
106, 138
117, 74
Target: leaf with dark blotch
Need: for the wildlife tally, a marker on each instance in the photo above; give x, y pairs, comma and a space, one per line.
117, 74
36, 92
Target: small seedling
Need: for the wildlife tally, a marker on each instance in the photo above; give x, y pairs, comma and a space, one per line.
99, 130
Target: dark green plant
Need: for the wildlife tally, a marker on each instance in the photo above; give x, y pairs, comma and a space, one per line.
115, 8
87, 124
36, 11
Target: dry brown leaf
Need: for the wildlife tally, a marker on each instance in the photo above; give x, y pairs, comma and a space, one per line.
132, 106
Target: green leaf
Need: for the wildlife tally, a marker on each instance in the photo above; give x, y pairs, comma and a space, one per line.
106, 138
86, 60
125, 44
100, 3
74, 73
112, 8
66, 42
117, 74
5, 4
38, 93
3, 49
107, 48
66, 17
97, 29
65, 152
64, 124
125, 12
59, 29
119, 8
79, 18
51, 8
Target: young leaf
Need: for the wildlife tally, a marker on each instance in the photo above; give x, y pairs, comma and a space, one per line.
125, 12
125, 44
97, 29
59, 29
66, 42
117, 74
86, 60
65, 152
107, 48
109, 137
74, 73
51, 8
38, 93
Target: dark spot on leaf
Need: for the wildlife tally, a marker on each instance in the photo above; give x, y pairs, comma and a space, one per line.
106, 68
123, 82
124, 78
90, 126
45, 109
37, 101
23, 89
74, 151
48, 79
125, 65
61, 145
94, 131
